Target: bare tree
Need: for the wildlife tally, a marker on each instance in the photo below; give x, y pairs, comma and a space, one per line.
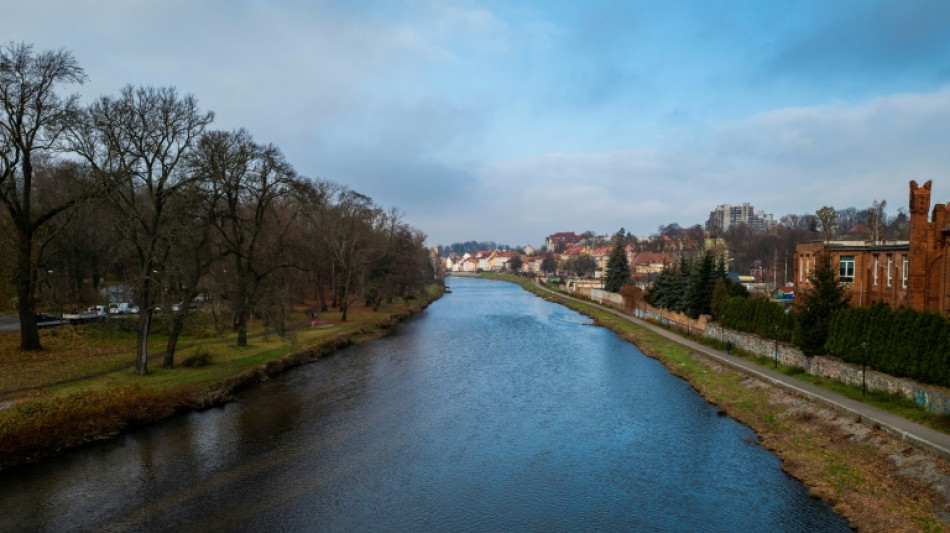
876, 222
827, 222
33, 117
248, 180
136, 144
355, 217
192, 255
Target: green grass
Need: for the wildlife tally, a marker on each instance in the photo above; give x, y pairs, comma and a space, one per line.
891, 402
83, 386
844, 472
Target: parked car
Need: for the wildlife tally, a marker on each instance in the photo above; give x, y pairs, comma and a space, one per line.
177, 307
96, 312
119, 308
48, 320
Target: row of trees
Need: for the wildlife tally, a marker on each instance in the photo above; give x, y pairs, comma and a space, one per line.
138, 188
697, 287
773, 248
688, 288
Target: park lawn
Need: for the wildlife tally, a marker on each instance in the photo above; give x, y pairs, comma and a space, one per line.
92, 357
83, 386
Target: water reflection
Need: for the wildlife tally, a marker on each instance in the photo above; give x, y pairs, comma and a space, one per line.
495, 410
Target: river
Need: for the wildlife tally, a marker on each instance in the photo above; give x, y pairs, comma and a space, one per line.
494, 410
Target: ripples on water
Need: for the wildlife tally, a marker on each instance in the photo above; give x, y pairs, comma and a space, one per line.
495, 410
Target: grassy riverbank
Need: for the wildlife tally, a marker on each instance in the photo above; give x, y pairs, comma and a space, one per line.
82, 387
874, 481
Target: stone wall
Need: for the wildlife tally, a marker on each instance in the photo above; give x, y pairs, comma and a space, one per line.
933, 399
675, 320
611, 299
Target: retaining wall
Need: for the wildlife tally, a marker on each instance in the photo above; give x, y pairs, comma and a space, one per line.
933, 399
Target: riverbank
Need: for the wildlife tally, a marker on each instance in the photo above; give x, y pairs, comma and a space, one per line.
876, 481
81, 388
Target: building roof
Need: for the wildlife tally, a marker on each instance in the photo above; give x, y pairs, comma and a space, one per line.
577, 250
646, 258
863, 245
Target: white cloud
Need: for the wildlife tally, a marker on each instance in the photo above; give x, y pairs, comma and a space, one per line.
785, 161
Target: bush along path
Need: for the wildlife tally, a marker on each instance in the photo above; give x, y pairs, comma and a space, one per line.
876, 481
55, 418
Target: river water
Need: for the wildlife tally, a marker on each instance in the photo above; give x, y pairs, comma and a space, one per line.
492, 411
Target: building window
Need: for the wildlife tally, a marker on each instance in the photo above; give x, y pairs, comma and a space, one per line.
904, 273
874, 275
890, 270
801, 268
846, 269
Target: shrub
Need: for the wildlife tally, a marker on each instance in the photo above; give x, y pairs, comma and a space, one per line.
902, 343
200, 357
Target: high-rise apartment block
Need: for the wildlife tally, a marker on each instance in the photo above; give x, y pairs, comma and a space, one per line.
726, 216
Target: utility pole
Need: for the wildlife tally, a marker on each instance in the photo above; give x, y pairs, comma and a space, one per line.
774, 269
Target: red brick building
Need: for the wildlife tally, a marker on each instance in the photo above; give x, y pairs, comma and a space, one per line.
914, 273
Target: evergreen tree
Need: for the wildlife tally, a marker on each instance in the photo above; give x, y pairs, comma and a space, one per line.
819, 303
679, 300
721, 270
700, 288
618, 270
660, 294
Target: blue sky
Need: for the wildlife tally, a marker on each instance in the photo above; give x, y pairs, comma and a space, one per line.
511, 120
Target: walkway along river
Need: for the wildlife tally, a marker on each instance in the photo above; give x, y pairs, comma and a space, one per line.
493, 410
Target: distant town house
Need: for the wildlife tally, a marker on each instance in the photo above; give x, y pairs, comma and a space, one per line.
601, 258
650, 262
498, 260
561, 241
575, 251
532, 265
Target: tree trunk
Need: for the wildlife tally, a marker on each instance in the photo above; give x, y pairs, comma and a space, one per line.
145, 324
177, 326
322, 297
141, 357
26, 274
26, 304
242, 328
344, 305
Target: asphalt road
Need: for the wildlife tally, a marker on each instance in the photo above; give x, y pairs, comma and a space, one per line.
9, 323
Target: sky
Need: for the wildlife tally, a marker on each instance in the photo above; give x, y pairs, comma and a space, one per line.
510, 120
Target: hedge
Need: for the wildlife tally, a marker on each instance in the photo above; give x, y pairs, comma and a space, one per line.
759, 316
902, 343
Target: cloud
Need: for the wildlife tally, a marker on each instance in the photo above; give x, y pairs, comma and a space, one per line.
508, 121
792, 160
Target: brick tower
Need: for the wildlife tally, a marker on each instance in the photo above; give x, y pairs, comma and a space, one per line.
921, 236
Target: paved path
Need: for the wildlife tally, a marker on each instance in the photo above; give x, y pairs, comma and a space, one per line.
902, 428
9, 323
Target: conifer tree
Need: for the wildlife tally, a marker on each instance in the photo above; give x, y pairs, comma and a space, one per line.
618, 270
819, 303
